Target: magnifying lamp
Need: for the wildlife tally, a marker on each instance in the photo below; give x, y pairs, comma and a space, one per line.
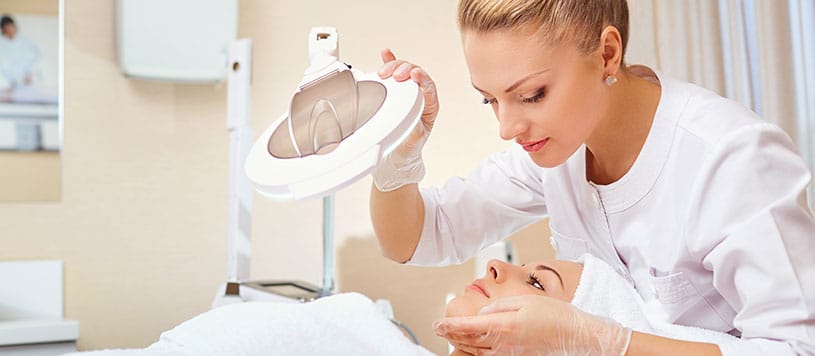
339, 125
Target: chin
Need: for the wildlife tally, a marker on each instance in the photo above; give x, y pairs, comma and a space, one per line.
550, 158
547, 161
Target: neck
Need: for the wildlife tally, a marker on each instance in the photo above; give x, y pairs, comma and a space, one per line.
618, 139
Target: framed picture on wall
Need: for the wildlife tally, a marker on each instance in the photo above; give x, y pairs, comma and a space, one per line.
29, 78
30, 107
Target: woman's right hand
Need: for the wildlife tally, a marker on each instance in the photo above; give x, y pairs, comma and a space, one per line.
404, 165
401, 71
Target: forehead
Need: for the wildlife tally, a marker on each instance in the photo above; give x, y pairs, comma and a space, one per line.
496, 59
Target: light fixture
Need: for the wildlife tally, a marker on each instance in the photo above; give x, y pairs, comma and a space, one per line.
339, 125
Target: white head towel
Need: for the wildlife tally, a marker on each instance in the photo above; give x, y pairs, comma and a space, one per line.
603, 292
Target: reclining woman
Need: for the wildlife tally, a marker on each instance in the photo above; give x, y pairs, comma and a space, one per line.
350, 323
588, 284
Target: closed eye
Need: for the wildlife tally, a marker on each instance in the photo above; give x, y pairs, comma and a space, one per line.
535, 282
535, 98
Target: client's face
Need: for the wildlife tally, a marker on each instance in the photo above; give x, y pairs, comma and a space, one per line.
554, 278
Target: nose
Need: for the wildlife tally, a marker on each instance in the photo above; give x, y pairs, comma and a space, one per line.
511, 122
497, 270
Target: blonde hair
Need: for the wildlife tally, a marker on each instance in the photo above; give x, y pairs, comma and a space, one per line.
580, 21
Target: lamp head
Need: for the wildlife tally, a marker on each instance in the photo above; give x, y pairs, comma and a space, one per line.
340, 123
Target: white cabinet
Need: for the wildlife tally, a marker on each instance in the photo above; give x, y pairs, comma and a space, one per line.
31, 306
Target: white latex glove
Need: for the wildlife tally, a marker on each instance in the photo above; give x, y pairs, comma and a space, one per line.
404, 165
534, 325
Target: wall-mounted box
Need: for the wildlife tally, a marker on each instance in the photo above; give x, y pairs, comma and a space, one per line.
176, 40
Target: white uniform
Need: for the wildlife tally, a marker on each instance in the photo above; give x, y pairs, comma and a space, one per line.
711, 220
19, 58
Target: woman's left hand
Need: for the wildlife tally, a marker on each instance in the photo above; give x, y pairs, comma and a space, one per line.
537, 325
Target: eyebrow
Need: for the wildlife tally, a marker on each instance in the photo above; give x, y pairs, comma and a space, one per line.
547, 268
516, 84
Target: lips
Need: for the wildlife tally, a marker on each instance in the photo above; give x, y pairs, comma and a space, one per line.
478, 287
534, 146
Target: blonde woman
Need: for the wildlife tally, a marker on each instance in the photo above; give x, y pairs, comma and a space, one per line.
691, 197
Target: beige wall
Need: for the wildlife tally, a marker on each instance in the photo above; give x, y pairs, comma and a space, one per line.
29, 176
142, 220
32, 7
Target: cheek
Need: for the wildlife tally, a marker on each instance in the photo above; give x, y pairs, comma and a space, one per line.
464, 305
566, 119
515, 290
562, 296
576, 112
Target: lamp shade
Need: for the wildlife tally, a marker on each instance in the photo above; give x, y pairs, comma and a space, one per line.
340, 123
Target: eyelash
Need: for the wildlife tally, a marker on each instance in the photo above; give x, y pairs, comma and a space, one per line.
534, 280
534, 99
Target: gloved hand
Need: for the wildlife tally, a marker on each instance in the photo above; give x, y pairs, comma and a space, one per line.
404, 165
534, 325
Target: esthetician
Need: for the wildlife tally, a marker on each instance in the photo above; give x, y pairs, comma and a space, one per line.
694, 199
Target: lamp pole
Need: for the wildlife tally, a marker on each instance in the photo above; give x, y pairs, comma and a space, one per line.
328, 246
239, 221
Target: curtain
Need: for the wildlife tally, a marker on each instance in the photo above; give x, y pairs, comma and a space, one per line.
758, 52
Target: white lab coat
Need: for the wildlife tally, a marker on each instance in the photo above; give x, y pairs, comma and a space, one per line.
19, 58
711, 220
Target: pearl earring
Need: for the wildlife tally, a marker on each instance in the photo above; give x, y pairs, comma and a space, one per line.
610, 80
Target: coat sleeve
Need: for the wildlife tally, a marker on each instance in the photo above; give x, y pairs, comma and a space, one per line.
504, 194
750, 225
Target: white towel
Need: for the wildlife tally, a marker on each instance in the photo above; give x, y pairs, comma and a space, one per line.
603, 292
342, 324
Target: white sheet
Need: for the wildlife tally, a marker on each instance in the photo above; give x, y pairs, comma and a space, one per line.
343, 324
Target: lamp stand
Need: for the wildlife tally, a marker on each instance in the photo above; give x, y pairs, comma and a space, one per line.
237, 287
